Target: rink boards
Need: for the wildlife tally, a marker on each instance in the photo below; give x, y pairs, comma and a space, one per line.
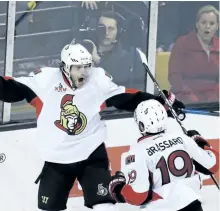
22, 164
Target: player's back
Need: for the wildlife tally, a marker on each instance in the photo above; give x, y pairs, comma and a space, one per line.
171, 170
159, 170
167, 158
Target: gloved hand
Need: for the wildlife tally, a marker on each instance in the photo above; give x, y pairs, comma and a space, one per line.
201, 142
176, 104
115, 186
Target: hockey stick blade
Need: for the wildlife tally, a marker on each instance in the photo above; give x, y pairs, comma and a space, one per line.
145, 64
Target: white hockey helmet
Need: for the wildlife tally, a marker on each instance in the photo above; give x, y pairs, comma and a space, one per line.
151, 117
74, 55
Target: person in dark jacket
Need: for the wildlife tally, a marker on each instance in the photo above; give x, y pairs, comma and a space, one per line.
109, 53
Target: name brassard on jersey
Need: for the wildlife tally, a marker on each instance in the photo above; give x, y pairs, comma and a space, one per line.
164, 145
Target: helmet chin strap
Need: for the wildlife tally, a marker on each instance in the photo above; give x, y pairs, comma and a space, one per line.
71, 83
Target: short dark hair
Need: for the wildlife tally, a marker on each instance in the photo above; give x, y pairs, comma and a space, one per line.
114, 15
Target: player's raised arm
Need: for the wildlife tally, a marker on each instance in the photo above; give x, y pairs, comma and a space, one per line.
13, 91
31, 88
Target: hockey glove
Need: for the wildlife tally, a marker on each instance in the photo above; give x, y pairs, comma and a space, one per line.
176, 104
115, 186
201, 142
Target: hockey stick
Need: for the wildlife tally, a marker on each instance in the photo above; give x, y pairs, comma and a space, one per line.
25, 14
145, 64
201, 112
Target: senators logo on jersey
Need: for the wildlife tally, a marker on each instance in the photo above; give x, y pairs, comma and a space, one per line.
72, 121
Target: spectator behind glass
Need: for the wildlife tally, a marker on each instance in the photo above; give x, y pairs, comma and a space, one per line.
194, 60
108, 53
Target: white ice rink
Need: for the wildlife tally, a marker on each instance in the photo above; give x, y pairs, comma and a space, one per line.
19, 199
211, 202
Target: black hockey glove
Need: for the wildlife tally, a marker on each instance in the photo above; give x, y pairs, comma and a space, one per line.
201, 142
176, 104
115, 186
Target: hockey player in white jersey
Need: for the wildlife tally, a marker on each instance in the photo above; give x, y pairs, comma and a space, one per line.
70, 133
159, 173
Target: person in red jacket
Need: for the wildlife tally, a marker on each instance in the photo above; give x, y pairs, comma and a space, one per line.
194, 60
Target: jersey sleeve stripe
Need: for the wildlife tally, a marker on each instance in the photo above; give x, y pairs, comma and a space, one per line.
38, 104
103, 106
8, 78
127, 90
133, 197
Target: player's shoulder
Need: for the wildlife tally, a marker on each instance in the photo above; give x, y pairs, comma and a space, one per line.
171, 134
177, 134
179, 137
128, 158
186, 139
124, 155
44, 72
45, 76
99, 73
135, 150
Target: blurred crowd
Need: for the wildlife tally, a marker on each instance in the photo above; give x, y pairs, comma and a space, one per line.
187, 41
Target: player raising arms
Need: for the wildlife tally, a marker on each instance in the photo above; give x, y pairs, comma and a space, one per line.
70, 132
159, 171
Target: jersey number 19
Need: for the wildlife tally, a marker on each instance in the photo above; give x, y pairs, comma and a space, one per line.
169, 166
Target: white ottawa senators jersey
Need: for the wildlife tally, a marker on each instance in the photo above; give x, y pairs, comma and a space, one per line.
160, 173
69, 128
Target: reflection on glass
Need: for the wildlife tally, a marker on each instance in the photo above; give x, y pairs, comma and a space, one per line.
3, 11
111, 32
41, 30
